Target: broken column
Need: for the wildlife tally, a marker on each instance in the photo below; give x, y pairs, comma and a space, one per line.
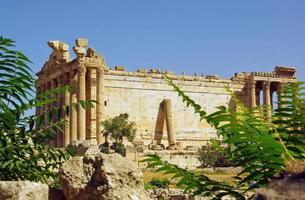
172, 144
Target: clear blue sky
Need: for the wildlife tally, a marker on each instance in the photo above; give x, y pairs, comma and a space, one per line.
211, 37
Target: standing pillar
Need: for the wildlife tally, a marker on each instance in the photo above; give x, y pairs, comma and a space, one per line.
280, 95
258, 99
38, 91
91, 94
253, 94
167, 103
81, 117
42, 108
58, 104
52, 106
47, 106
66, 104
267, 100
73, 111
100, 106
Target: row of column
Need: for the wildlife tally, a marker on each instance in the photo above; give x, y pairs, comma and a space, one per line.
267, 95
77, 119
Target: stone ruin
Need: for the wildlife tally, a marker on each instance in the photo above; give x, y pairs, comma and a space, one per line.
163, 120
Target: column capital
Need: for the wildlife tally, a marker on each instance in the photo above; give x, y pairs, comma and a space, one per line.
81, 71
281, 85
266, 84
252, 83
99, 71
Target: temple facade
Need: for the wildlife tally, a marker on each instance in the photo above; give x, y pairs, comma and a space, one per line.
162, 119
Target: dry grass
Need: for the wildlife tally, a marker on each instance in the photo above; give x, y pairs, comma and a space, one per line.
217, 175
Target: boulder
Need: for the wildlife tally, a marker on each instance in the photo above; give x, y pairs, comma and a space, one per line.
102, 176
23, 190
288, 188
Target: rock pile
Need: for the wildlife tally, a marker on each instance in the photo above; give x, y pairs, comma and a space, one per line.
102, 176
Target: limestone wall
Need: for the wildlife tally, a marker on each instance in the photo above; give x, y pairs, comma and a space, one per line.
140, 94
141, 97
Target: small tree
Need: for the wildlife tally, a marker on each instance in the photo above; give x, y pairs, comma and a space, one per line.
117, 129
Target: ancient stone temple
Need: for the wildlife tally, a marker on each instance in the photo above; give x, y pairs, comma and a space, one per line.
162, 119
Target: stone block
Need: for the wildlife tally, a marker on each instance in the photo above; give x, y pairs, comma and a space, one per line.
23, 190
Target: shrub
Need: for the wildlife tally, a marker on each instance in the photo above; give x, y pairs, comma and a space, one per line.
159, 183
210, 156
117, 129
118, 148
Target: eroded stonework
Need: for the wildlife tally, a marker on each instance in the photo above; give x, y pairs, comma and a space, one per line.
162, 119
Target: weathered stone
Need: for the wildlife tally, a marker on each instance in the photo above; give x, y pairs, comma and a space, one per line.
288, 188
141, 93
102, 176
23, 190
119, 68
81, 42
80, 47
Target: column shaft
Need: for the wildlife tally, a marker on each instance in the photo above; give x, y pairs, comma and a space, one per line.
267, 100
91, 112
51, 108
169, 122
252, 94
280, 95
47, 106
73, 111
100, 107
258, 99
58, 104
81, 97
66, 115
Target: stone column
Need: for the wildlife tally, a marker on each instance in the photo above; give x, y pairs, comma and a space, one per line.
53, 84
47, 106
267, 100
41, 109
252, 94
91, 92
100, 107
58, 104
66, 81
73, 111
169, 123
81, 117
280, 94
258, 99
38, 91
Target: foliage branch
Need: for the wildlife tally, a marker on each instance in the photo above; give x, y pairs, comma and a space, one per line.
24, 150
263, 148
